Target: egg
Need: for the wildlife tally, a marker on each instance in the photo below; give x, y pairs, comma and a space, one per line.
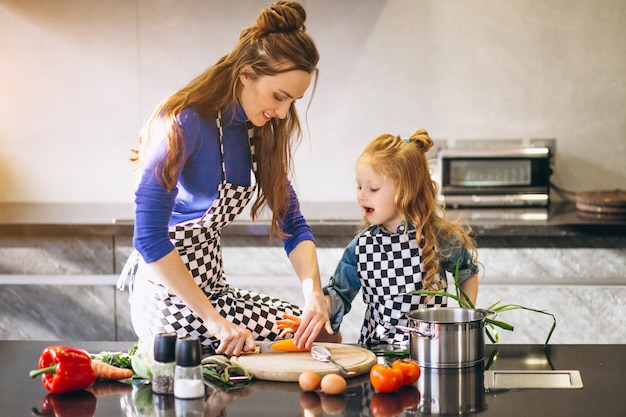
310, 401
333, 384
309, 381
333, 404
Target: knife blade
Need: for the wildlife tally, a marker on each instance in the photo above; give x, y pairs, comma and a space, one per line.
278, 346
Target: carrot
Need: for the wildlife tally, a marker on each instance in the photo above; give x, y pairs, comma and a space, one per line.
106, 388
288, 324
287, 345
105, 371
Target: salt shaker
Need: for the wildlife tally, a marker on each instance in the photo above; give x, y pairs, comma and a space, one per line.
192, 407
164, 363
188, 378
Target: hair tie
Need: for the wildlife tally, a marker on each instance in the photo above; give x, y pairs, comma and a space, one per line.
407, 140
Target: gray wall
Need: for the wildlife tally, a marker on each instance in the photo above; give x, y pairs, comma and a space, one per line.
78, 78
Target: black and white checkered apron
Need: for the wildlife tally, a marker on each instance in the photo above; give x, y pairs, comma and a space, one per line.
390, 269
154, 309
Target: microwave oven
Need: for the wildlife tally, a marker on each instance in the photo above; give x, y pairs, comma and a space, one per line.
496, 173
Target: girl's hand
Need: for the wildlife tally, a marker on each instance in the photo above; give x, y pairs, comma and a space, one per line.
234, 340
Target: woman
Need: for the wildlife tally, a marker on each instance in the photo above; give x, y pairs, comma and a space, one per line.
196, 158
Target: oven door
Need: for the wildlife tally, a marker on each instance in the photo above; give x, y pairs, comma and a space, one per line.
498, 178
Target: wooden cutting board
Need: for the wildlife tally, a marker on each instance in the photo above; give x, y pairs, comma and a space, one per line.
287, 366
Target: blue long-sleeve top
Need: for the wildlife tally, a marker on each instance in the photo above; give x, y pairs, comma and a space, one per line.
197, 182
345, 283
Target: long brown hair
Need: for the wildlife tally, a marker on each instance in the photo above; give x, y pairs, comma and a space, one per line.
276, 43
404, 162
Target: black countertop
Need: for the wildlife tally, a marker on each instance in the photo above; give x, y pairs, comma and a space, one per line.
333, 224
602, 368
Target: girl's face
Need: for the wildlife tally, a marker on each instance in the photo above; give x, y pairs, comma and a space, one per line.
375, 194
268, 96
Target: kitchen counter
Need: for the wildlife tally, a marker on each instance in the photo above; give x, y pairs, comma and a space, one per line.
333, 224
602, 368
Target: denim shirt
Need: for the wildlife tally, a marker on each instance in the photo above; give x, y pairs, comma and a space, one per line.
345, 283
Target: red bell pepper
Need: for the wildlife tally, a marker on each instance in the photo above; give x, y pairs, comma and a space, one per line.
64, 369
78, 403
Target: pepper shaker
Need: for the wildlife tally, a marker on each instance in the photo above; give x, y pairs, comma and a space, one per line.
164, 364
164, 405
188, 378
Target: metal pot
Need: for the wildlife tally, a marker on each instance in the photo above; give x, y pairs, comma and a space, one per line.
447, 337
452, 391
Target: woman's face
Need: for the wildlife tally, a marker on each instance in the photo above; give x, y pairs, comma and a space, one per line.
375, 194
268, 96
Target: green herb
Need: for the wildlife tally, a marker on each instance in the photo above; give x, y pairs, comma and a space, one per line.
123, 360
119, 359
490, 323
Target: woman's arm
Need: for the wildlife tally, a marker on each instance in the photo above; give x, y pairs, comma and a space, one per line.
315, 313
300, 247
172, 272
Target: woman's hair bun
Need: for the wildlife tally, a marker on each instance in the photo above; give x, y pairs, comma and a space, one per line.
282, 16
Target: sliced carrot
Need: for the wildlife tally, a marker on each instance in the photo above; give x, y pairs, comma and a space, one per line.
287, 345
288, 324
104, 370
295, 319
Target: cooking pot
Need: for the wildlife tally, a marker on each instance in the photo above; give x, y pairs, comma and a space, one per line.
449, 391
447, 337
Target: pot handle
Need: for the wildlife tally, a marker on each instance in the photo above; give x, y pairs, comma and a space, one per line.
414, 330
490, 314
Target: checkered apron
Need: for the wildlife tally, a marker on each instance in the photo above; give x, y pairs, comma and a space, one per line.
154, 309
390, 269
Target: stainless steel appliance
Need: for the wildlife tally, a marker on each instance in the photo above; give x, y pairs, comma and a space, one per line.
495, 173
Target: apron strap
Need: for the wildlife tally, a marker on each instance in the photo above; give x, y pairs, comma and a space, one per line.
251, 140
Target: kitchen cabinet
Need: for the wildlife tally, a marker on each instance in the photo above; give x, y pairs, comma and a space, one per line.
56, 258
58, 266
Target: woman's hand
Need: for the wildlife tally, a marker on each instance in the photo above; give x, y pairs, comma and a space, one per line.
234, 340
314, 318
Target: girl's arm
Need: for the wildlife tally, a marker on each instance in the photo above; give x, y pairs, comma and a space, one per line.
470, 288
467, 271
343, 286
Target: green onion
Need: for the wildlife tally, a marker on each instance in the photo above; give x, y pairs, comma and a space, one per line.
219, 369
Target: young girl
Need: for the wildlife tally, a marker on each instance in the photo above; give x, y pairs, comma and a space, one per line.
406, 243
